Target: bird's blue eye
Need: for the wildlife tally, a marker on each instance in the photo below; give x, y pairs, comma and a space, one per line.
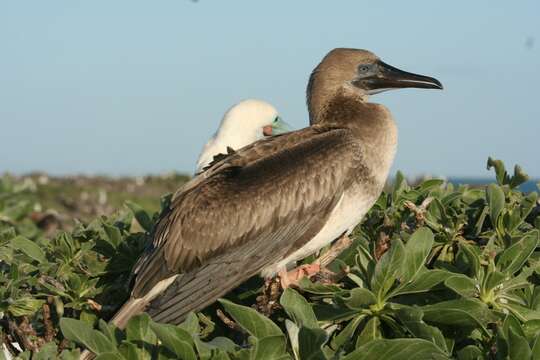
276, 119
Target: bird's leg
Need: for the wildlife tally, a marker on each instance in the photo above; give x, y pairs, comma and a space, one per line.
289, 278
318, 267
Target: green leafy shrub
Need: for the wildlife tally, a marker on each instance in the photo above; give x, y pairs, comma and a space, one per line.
434, 272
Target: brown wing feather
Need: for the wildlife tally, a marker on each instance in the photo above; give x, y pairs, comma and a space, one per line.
259, 200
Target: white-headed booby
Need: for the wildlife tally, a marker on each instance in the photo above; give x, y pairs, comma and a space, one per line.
278, 199
244, 123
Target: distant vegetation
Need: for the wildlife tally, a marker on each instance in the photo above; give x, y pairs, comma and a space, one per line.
435, 272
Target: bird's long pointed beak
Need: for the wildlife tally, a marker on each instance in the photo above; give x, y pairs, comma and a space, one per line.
389, 77
278, 127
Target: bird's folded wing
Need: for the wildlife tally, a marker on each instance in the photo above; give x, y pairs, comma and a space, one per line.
253, 207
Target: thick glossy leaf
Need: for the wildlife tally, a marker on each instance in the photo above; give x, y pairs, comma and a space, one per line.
519, 177
463, 312
397, 349
417, 250
388, 269
110, 356
495, 199
310, 342
411, 317
523, 313
536, 348
29, 248
531, 329
138, 331
269, 348
25, 306
500, 171
424, 281
518, 347
512, 259
371, 331
47, 352
175, 339
347, 333
470, 352
463, 285
82, 333
141, 215
298, 308
250, 320
359, 298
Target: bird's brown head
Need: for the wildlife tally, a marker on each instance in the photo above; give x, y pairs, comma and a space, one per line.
360, 72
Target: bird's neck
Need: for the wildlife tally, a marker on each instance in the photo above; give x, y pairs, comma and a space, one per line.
371, 124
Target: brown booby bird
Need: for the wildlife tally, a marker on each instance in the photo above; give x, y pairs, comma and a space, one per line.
279, 199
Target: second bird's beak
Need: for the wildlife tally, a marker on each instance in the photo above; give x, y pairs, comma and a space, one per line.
277, 127
387, 77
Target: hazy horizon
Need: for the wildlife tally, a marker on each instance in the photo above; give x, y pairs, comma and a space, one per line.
134, 88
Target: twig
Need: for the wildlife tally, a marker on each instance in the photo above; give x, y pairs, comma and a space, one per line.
49, 328
230, 323
9, 344
22, 339
94, 305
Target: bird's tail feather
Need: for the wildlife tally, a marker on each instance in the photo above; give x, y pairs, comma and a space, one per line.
193, 292
130, 308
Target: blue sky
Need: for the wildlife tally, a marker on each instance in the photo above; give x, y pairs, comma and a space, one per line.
135, 87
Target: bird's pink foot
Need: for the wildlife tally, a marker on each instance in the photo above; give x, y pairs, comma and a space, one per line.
295, 275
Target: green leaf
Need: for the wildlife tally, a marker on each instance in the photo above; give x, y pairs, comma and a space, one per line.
500, 171
47, 352
25, 306
359, 298
518, 347
513, 258
310, 343
387, 269
370, 332
463, 312
463, 285
141, 215
523, 313
298, 308
114, 236
417, 250
495, 199
29, 248
469, 352
138, 331
397, 349
110, 356
347, 333
424, 281
531, 329
82, 333
472, 255
268, 348
175, 339
536, 348
250, 320
519, 177
411, 317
